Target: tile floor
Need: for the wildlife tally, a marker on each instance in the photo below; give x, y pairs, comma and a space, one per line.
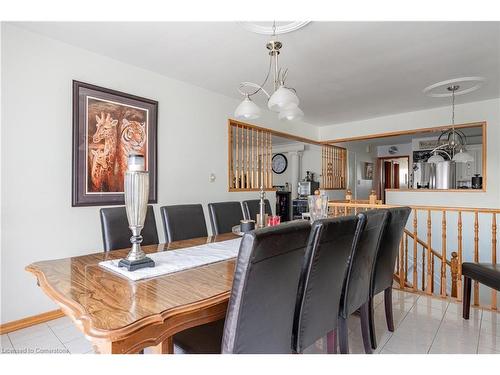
423, 325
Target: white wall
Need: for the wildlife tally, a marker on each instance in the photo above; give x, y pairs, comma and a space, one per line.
488, 110
38, 222
310, 160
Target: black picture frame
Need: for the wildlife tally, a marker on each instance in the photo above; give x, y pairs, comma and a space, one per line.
82, 93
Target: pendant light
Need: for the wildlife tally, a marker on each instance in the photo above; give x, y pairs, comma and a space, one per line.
462, 156
456, 140
283, 100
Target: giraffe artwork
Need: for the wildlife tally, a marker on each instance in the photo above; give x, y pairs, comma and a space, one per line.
109, 129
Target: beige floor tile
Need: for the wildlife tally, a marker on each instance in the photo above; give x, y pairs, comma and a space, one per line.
67, 333
6, 346
409, 345
486, 350
489, 341
47, 344
491, 316
29, 333
490, 328
433, 302
79, 346
60, 323
427, 312
450, 346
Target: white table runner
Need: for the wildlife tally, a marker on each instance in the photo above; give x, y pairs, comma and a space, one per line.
178, 260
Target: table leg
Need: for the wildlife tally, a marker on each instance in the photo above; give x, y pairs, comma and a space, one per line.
165, 347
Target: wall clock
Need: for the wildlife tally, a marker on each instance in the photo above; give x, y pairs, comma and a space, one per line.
279, 163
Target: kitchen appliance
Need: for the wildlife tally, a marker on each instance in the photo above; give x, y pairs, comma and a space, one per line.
298, 207
307, 188
446, 175
477, 182
424, 175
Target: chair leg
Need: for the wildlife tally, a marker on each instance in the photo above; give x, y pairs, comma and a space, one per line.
365, 328
371, 322
343, 336
331, 342
388, 309
466, 297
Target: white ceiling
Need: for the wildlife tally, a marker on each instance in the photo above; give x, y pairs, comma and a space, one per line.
342, 71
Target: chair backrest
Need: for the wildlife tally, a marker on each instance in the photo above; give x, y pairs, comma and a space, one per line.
252, 207
329, 249
184, 221
389, 248
116, 233
224, 216
259, 318
360, 270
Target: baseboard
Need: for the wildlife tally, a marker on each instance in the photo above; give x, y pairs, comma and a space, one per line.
30, 321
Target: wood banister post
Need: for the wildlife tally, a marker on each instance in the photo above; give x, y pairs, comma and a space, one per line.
460, 249
443, 255
415, 249
454, 274
430, 275
476, 255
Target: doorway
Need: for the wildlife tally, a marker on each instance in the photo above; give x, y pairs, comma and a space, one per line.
392, 173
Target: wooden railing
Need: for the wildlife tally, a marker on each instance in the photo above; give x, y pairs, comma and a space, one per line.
432, 254
333, 167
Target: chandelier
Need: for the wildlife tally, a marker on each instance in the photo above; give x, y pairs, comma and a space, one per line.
283, 99
455, 140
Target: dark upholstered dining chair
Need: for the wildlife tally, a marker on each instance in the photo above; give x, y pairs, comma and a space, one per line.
116, 233
260, 312
330, 247
184, 221
252, 207
224, 216
384, 265
485, 273
356, 293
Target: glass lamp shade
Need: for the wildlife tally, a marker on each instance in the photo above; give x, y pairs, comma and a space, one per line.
247, 110
292, 112
435, 158
282, 98
463, 157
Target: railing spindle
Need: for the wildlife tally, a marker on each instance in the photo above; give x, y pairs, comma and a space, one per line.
401, 263
406, 259
476, 255
443, 255
423, 268
454, 274
430, 276
460, 249
415, 249
494, 256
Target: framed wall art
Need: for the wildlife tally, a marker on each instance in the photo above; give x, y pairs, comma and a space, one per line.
107, 126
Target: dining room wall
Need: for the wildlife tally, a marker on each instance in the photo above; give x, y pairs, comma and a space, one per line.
38, 222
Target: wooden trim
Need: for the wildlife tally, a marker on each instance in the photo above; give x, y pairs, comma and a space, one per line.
412, 131
30, 321
232, 122
419, 207
436, 129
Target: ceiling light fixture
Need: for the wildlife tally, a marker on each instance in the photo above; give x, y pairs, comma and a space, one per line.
283, 100
456, 140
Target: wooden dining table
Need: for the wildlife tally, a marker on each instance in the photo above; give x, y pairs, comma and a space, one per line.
123, 316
